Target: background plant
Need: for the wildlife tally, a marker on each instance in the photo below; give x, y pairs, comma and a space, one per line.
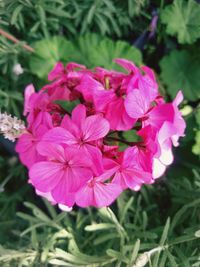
158, 226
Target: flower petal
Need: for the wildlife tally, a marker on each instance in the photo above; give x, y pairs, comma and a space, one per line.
61, 194
51, 151
105, 194
46, 175
126, 64
94, 128
85, 197
136, 104
79, 115
29, 90
60, 136
57, 71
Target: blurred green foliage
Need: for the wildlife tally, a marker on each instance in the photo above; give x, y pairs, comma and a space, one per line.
157, 227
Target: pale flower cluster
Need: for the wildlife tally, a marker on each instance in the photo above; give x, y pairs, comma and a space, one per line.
11, 127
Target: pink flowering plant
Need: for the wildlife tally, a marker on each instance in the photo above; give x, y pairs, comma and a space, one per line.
79, 155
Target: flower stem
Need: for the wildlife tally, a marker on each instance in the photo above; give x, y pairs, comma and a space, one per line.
15, 40
124, 141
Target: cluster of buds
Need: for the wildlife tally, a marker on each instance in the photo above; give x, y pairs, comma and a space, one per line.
80, 155
11, 127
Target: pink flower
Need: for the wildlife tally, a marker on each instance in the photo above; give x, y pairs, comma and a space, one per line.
59, 70
115, 111
158, 146
137, 104
80, 131
168, 113
108, 102
164, 156
62, 173
179, 122
80, 156
65, 81
27, 143
143, 80
98, 191
130, 174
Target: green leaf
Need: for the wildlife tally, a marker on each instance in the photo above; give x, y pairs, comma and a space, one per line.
105, 238
99, 226
68, 106
181, 70
37, 212
94, 51
165, 232
90, 50
47, 53
135, 252
162, 241
182, 20
171, 258
15, 14
131, 136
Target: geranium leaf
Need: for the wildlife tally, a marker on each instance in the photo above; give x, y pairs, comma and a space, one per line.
182, 20
95, 51
90, 50
48, 52
181, 70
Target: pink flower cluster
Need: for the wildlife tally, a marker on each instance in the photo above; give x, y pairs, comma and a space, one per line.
77, 157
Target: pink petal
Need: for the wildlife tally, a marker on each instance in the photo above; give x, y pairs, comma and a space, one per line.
61, 193
59, 135
78, 177
134, 177
69, 125
79, 115
88, 87
29, 90
119, 180
102, 98
160, 114
105, 194
158, 168
85, 197
26, 147
148, 84
126, 64
43, 118
117, 116
51, 151
46, 175
106, 175
95, 156
56, 72
46, 195
94, 128
73, 65
131, 182
136, 104
72, 154
178, 99
24, 142
30, 156
130, 157
98, 195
